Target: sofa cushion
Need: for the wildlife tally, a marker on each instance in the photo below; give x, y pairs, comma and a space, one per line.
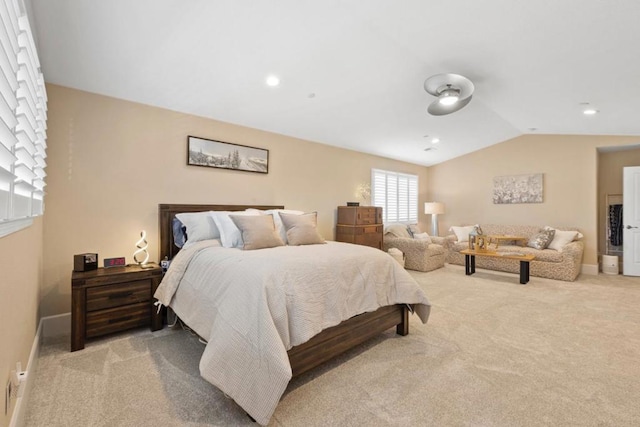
436, 249
547, 255
510, 230
541, 240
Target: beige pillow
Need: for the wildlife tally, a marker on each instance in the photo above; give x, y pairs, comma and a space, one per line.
301, 229
258, 232
398, 230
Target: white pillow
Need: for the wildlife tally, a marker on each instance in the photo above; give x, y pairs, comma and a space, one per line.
230, 235
562, 238
422, 236
462, 233
200, 226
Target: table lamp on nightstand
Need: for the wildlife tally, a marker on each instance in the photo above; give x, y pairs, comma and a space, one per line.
434, 208
141, 250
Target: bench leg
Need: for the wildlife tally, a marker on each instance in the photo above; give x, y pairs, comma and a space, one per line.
524, 272
469, 264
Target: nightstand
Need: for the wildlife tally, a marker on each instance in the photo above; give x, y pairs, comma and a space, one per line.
113, 299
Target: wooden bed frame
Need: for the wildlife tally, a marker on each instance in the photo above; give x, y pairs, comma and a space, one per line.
328, 343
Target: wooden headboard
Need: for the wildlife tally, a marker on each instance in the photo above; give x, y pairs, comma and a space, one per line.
166, 213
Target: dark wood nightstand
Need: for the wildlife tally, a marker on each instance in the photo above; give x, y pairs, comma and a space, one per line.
113, 299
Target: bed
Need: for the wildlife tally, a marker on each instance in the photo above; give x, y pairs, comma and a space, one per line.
301, 357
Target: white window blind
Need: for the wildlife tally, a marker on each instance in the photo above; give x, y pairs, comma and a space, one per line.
23, 121
397, 195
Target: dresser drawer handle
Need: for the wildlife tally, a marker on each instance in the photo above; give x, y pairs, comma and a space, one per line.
120, 319
120, 295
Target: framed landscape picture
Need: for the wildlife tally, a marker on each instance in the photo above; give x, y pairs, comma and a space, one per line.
225, 155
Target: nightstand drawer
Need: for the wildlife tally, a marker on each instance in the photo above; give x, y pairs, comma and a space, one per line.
102, 297
117, 319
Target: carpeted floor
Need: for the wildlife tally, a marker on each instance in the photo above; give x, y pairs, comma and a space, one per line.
494, 353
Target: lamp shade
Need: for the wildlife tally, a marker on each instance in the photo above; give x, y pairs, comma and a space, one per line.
433, 208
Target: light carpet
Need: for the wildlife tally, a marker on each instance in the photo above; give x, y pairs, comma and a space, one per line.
494, 353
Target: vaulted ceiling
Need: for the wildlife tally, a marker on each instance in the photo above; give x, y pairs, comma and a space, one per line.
352, 72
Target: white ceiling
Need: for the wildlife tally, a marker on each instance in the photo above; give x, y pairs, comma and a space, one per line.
532, 62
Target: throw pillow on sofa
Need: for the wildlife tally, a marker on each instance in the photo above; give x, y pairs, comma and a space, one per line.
542, 239
422, 236
397, 230
462, 233
562, 238
414, 229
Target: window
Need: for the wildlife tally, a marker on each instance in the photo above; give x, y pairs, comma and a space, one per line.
397, 195
23, 116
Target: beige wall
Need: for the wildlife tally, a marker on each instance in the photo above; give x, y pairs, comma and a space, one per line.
111, 163
610, 166
569, 165
20, 279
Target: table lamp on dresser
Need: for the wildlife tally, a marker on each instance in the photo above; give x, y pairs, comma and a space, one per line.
434, 208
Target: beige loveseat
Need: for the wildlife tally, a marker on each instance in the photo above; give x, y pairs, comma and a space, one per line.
562, 264
422, 254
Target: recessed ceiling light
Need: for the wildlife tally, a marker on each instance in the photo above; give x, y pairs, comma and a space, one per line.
272, 81
435, 140
589, 112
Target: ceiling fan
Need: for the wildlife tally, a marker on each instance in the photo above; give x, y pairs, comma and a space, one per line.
453, 91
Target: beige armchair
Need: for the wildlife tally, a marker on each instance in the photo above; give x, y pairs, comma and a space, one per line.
420, 255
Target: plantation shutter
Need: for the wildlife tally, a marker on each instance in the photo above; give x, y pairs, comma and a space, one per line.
397, 195
23, 115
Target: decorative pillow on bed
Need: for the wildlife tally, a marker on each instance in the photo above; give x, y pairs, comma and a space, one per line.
280, 228
462, 233
200, 226
542, 239
179, 232
258, 232
397, 230
230, 235
301, 229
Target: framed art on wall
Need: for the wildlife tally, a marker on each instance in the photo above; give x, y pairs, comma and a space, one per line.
225, 155
517, 189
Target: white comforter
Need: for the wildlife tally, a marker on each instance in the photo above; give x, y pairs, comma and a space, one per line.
253, 306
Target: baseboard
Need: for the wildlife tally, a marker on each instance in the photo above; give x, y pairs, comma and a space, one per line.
591, 269
57, 325
48, 327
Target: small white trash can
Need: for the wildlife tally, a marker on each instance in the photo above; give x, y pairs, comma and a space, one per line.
610, 264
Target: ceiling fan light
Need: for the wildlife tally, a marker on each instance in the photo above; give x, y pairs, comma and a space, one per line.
449, 96
448, 99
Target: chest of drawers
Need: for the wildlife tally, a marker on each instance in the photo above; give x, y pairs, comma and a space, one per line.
361, 225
